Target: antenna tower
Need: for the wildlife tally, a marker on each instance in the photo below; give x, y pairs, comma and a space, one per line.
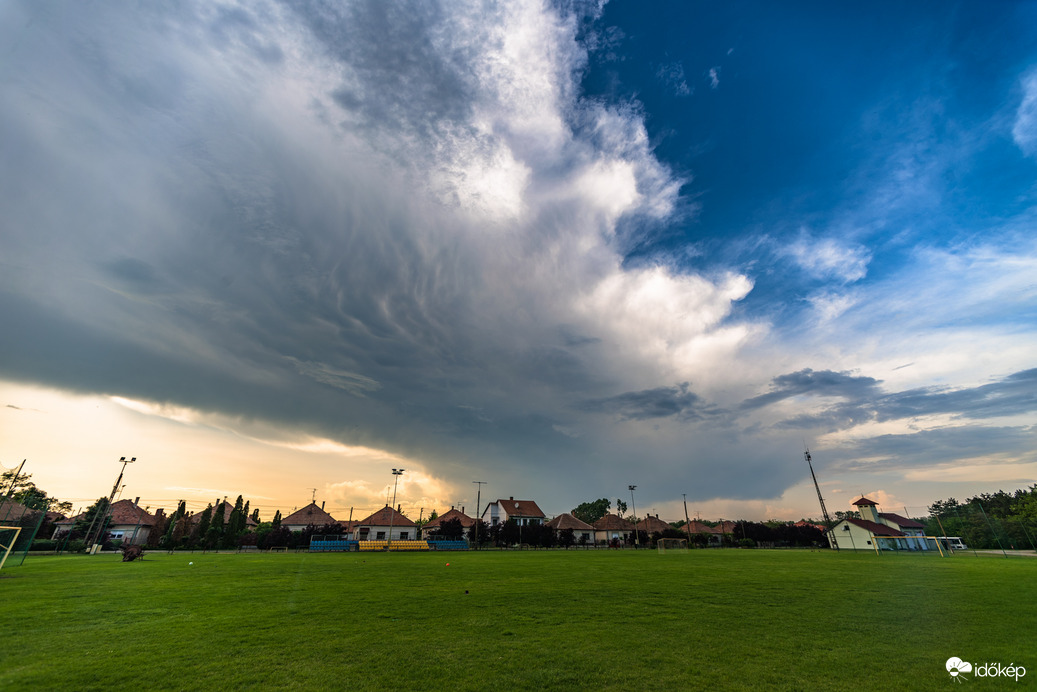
824, 510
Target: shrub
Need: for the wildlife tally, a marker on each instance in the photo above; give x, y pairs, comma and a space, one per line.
44, 545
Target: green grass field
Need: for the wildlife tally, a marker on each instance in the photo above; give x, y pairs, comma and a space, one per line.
623, 620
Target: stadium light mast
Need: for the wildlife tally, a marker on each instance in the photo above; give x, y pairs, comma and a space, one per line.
832, 543
478, 500
111, 497
397, 473
633, 509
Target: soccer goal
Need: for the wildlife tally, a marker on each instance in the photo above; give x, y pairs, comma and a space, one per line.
8, 537
665, 544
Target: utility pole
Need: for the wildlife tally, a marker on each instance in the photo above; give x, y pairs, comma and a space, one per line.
107, 508
633, 510
478, 499
687, 521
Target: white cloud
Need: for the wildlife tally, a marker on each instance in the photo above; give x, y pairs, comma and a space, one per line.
714, 77
1024, 130
829, 257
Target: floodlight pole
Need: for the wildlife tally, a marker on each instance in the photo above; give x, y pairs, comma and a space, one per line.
111, 497
478, 500
396, 473
633, 508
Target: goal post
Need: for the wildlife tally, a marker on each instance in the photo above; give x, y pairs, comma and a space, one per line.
8, 537
665, 544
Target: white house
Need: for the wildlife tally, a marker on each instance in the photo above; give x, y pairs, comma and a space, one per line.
878, 531
524, 512
612, 527
310, 515
384, 522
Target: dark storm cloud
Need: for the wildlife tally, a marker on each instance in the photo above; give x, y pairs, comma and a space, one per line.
808, 382
864, 400
1011, 396
938, 446
660, 402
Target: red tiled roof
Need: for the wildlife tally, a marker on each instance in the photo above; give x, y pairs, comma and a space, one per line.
520, 508
124, 513
613, 522
652, 524
902, 522
696, 526
310, 514
382, 518
567, 521
865, 501
804, 522
727, 526
877, 529
466, 521
11, 511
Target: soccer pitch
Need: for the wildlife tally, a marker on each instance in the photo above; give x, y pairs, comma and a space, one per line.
623, 620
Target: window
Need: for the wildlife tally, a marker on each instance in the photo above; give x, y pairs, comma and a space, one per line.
380, 536
403, 535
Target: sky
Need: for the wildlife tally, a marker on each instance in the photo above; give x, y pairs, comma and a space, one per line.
279, 249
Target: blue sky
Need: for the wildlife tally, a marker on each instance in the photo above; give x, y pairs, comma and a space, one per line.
273, 247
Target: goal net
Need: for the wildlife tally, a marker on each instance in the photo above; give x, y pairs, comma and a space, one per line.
665, 544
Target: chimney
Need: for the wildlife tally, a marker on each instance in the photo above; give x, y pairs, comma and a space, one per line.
137, 500
399, 508
462, 509
160, 513
511, 498
322, 505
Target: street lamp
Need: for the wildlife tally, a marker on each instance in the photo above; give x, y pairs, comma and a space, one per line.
633, 508
397, 473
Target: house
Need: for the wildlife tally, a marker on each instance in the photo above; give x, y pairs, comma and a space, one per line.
385, 523
612, 527
11, 512
695, 527
524, 512
652, 525
875, 531
467, 522
127, 522
310, 515
583, 531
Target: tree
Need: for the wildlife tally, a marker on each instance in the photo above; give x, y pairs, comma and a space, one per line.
452, 529
201, 529
567, 538
590, 512
483, 532
277, 518
255, 515
621, 507
23, 491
